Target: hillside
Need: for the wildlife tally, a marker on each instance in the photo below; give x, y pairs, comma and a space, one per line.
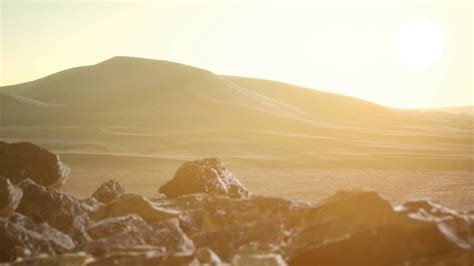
158, 109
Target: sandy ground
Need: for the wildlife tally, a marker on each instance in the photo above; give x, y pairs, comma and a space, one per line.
452, 188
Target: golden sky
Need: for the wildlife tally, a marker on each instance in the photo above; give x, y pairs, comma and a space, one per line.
396, 53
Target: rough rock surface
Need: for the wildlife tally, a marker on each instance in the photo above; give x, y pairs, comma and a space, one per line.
23, 160
108, 191
57, 208
115, 225
10, 196
165, 237
204, 176
14, 239
59, 241
134, 204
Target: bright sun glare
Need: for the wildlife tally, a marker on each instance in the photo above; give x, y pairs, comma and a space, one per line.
419, 43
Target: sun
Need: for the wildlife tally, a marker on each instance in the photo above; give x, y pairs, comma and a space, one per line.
419, 43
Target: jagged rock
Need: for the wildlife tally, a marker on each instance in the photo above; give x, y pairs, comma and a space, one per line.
168, 233
205, 256
457, 226
10, 197
134, 204
15, 238
150, 258
75, 259
204, 176
91, 204
108, 191
57, 208
59, 241
164, 236
225, 224
20, 161
360, 228
116, 225
258, 260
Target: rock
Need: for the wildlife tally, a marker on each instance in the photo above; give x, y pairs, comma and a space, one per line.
226, 224
59, 241
258, 260
165, 237
360, 228
20, 161
204, 176
389, 245
76, 259
10, 197
91, 204
15, 239
116, 225
150, 258
168, 233
205, 256
457, 226
108, 191
134, 204
57, 208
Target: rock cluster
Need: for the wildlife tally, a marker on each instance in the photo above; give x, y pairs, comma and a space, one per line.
209, 218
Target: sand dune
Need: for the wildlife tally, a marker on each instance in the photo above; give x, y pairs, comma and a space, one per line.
157, 114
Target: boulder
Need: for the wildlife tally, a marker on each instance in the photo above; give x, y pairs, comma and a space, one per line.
258, 260
204, 176
20, 161
57, 208
115, 225
108, 191
15, 239
165, 237
134, 204
205, 256
361, 228
59, 241
226, 224
458, 226
10, 197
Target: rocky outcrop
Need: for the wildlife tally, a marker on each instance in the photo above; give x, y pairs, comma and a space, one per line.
108, 191
134, 204
17, 241
208, 218
57, 208
59, 241
10, 196
116, 225
368, 231
20, 161
165, 237
204, 176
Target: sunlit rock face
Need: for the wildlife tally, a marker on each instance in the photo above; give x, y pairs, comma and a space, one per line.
204, 176
108, 191
10, 196
59, 241
20, 161
134, 204
15, 239
360, 228
57, 208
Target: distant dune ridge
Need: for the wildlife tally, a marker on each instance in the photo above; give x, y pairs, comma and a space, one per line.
140, 107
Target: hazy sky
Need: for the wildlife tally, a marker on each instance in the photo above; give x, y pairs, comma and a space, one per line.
401, 54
